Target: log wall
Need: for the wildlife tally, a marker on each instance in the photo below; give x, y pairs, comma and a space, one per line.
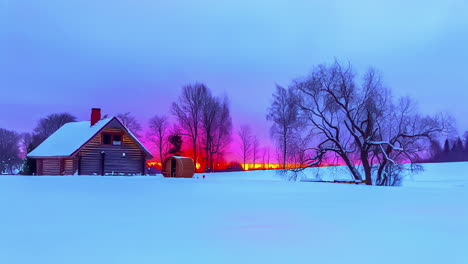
126, 159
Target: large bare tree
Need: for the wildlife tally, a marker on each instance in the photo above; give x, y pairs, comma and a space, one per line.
283, 112
158, 134
9, 151
188, 112
362, 125
246, 138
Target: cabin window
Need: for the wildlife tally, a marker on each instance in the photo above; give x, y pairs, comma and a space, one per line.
107, 139
117, 140
112, 139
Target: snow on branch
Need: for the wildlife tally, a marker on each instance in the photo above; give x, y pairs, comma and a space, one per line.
385, 143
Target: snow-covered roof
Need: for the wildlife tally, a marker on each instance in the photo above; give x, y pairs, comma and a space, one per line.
72, 136
68, 138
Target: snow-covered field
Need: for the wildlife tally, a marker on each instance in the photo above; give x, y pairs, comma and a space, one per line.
242, 217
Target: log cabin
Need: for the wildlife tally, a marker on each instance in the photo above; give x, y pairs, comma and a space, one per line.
96, 147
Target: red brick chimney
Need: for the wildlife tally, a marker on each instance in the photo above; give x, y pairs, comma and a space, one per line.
95, 115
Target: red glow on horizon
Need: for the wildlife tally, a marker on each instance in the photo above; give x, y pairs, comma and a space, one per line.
224, 166
236, 166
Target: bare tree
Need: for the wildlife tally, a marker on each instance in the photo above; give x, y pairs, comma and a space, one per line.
264, 154
188, 112
45, 127
222, 133
48, 125
362, 125
246, 139
130, 122
268, 158
158, 134
284, 114
9, 151
210, 110
255, 148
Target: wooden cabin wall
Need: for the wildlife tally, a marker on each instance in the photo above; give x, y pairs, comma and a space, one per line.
115, 163
39, 166
68, 167
50, 166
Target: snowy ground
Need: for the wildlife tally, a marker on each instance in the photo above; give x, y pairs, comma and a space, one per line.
244, 217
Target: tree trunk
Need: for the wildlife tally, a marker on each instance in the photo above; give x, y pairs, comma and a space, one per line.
268, 160
244, 160
284, 151
367, 167
354, 172
254, 157
194, 141
161, 150
207, 152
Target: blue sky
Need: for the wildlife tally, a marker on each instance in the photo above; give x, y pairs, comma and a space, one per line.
135, 55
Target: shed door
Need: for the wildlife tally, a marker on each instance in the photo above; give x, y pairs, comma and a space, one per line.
173, 167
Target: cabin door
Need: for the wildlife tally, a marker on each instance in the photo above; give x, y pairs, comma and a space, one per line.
173, 167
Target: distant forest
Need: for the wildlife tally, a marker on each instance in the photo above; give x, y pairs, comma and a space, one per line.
451, 151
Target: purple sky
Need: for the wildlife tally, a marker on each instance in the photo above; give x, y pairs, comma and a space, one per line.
135, 55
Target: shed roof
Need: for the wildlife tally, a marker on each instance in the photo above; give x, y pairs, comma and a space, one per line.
71, 137
179, 157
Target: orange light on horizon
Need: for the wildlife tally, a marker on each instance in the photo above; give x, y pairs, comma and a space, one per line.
248, 166
154, 164
258, 166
